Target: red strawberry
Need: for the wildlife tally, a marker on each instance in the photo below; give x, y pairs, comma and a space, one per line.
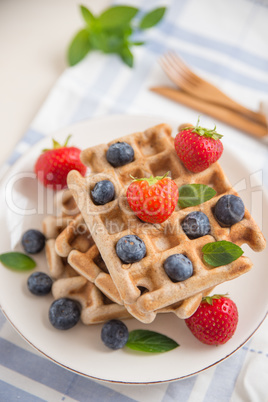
53, 165
198, 147
153, 199
215, 320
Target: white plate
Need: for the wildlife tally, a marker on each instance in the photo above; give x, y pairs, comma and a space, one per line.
80, 349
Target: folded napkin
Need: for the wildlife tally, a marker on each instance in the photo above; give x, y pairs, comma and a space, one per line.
226, 43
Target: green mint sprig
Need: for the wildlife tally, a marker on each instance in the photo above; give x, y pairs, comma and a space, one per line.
220, 253
110, 32
150, 341
194, 194
17, 261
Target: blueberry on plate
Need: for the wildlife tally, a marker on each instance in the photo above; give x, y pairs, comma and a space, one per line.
64, 313
103, 192
114, 334
178, 267
229, 210
39, 283
130, 248
196, 224
119, 154
33, 241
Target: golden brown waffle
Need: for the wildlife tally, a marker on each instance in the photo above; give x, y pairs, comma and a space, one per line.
95, 306
84, 257
154, 155
64, 211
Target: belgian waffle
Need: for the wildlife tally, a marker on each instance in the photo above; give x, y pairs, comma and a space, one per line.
155, 155
95, 306
75, 244
64, 211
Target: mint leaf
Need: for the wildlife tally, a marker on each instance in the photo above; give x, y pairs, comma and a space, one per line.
79, 47
87, 15
194, 194
152, 18
150, 341
17, 261
116, 16
127, 56
221, 253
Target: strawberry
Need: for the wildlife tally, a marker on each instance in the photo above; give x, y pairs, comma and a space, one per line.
153, 199
215, 320
198, 147
53, 165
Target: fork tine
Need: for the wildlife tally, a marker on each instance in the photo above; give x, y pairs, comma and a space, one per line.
183, 67
179, 71
171, 73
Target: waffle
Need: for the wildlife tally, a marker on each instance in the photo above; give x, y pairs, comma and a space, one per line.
155, 155
84, 257
64, 209
95, 306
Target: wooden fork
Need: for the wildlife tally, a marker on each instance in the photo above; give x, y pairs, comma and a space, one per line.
191, 83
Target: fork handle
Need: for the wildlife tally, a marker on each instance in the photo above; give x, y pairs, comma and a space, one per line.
220, 113
221, 99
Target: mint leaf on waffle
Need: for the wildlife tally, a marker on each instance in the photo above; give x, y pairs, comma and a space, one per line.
220, 253
194, 194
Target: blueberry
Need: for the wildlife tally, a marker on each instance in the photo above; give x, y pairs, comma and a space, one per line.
119, 154
178, 267
114, 334
196, 224
103, 192
33, 241
229, 209
130, 249
39, 283
64, 313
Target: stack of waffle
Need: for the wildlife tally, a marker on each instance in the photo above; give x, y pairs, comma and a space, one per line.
82, 237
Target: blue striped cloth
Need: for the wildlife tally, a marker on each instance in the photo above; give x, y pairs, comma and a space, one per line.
226, 42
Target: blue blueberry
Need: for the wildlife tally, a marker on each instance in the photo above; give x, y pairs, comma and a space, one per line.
229, 209
119, 154
196, 224
39, 283
103, 192
114, 334
64, 313
130, 249
178, 267
33, 241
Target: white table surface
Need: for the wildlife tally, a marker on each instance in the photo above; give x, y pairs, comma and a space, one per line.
34, 35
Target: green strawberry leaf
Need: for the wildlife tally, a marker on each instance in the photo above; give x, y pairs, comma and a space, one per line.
209, 299
205, 132
79, 47
116, 16
221, 253
150, 341
17, 261
194, 194
87, 15
152, 18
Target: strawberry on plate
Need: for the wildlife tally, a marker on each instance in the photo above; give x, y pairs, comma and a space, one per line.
198, 147
153, 199
215, 320
53, 165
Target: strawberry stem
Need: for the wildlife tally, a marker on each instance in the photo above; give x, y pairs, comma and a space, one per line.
151, 180
57, 145
205, 132
209, 299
